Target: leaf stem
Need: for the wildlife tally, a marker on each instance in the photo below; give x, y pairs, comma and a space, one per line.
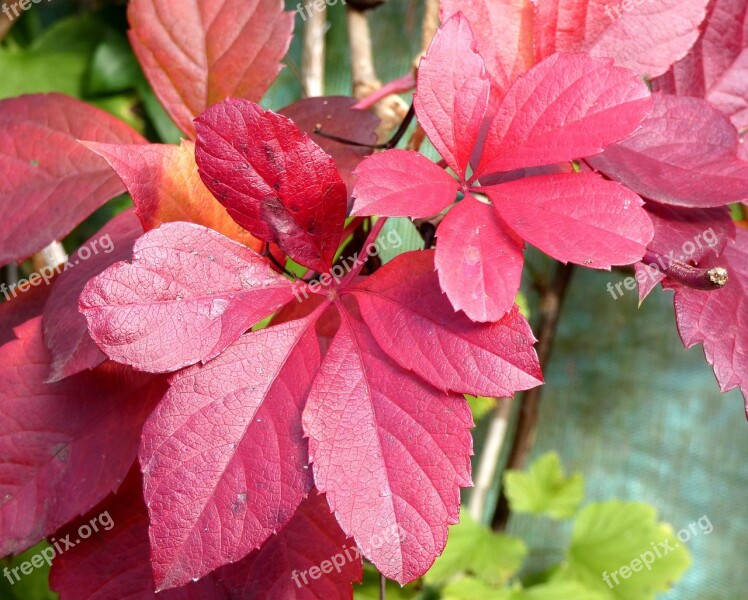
371, 240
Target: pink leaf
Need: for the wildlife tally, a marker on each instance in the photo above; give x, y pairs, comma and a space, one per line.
452, 94
275, 182
719, 319
415, 324
716, 68
567, 107
684, 154
49, 182
65, 328
65, 446
309, 559
580, 218
196, 54
399, 183
390, 452
115, 561
188, 294
479, 261
335, 115
509, 21
228, 435
646, 36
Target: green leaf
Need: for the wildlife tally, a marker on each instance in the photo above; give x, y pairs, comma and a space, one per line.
470, 588
25, 587
114, 68
623, 543
559, 590
56, 62
544, 489
398, 236
165, 128
473, 548
369, 587
480, 405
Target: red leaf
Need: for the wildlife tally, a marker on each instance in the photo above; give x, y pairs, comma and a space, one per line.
274, 181
645, 36
196, 54
228, 436
65, 328
683, 234
65, 446
452, 94
567, 107
580, 218
479, 261
509, 21
684, 154
335, 115
716, 68
115, 561
22, 303
390, 452
280, 570
188, 294
719, 319
399, 183
166, 187
49, 182
415, 324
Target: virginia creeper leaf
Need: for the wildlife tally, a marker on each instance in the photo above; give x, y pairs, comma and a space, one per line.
479, 261
701, 317
64, 446
49, 182
414, 323
389, 451
684, 154
335, 115
564, 108
115, 562
452, 93
65, 329
274, 181
647, 37
188, 294
228, 434
165, 187
280, 569
509, 21
579, 218
716, 68
196, 54
399, 183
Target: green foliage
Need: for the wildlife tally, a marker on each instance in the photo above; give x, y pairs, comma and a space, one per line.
618, 538
544, 489
473, 548
33, 586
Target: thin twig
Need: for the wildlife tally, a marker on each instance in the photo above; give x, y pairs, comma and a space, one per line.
382, 587
524, 437
489, 459
313, 55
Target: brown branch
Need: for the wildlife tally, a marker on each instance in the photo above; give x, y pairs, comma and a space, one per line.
551, 302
